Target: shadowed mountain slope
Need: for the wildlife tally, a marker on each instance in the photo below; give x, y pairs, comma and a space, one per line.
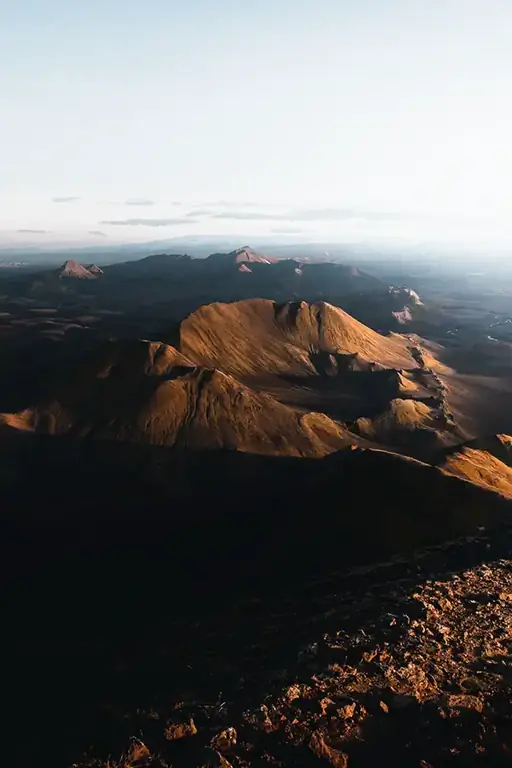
149, 392
349, 506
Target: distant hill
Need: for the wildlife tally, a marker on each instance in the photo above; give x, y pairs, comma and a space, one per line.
94, 269
270, 276
157, 265
72, 269
240, 256
176, 284
392, 308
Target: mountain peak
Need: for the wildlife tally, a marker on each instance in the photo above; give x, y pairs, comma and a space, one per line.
241, 256
72, 268
246, 253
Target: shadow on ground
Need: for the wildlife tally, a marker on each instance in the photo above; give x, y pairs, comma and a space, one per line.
142, 578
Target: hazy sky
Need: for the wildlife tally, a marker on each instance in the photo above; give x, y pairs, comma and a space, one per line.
127, 120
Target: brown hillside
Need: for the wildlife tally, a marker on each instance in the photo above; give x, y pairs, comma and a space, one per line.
399, 415
257, 337
486, 461
407, 423
149, 392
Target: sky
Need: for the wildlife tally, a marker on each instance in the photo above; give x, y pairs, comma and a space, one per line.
364, 120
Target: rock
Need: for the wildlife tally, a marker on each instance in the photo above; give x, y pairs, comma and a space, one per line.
348, 711
174, 731
384, 706
138, 754
297, 691
321, 749
326, 704
293, 692
225, 740
213, 759
464, 701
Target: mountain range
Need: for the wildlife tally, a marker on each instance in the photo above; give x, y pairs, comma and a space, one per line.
180, 433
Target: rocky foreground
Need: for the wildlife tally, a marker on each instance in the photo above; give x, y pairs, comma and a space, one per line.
406, 664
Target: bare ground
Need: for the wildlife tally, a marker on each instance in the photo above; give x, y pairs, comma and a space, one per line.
407, 664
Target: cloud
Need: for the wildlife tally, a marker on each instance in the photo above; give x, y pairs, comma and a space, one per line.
288, 231
139, 201
97, 233
148, 222
230, 204
200, 212
34, 231
340, 214
308, 214
65, 199
252, 216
